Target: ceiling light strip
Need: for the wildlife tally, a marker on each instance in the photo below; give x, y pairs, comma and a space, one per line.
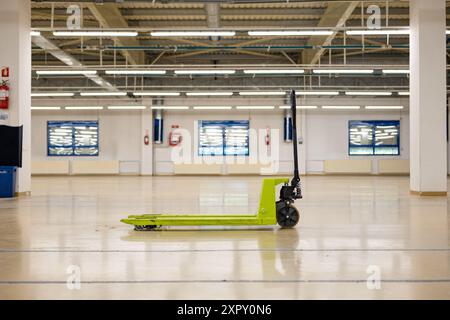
97, 94
193, 33
377, 32
83, 108
204, 72
262, 93
384, 107
65, 72
343, 71
45, 108
170, 107
95, 33
52, 94
274, 71
341, 107
156, 93
317, 93
137, 72
368, 93
127, 107
255, 107
199, 94
212, 107
298, 107
291, 33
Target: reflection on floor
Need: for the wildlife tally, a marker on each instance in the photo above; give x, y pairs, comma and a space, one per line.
352, 232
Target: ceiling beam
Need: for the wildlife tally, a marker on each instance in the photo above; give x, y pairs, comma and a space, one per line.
109, 16
335, 15
58, 53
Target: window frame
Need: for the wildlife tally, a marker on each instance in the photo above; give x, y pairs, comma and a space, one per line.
224, 124
73, 124
374, 124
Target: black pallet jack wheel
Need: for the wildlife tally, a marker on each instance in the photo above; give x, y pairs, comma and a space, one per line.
287, 215
144, 228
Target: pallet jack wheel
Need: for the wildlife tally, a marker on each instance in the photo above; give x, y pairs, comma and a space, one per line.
287, 215
144, 228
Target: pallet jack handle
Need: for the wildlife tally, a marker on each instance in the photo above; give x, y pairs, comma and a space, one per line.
295, 182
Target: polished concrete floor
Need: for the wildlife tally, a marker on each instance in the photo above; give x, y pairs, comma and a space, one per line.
353, 232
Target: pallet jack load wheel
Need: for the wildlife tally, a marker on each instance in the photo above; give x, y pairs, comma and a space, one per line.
287, 215
144, 228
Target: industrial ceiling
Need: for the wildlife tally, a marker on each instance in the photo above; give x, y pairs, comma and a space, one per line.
242, 50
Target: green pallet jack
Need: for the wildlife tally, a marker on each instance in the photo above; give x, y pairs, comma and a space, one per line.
270, 211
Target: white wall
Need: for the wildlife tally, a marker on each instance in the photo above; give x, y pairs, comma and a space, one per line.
119, 132
259, 119
325, 133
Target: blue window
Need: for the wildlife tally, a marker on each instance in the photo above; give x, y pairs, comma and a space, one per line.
374, 138
72, 138
223, 138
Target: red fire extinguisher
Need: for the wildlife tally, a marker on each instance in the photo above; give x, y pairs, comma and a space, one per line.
5, 72
267, 138
4, 89
175, 137
146, 138
4, 95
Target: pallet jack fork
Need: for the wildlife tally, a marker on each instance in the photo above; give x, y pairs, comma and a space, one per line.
270, 211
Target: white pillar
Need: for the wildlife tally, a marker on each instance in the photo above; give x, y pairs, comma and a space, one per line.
147, 150
428, 97
15, 53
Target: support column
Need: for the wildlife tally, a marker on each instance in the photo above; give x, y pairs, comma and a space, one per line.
428, 97
147, 150
15, 53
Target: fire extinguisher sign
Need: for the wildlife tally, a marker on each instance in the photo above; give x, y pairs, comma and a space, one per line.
5, 72
4, 88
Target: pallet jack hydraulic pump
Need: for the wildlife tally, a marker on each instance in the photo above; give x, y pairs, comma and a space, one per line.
270, 212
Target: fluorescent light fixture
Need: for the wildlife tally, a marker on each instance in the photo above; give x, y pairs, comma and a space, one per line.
368, 93
395, 71
212, 107
209, 71
298, 107
262, 93
291, 33
343, 71
156, 93
126, 107
52, 94
255, 107
384, 107
275, 71
111, 93
139, 72
341, 107
65, 72
317, 93
193, 33
35, 33
403, 93
83, 108
378, 32
170, 107
95, 33
45, 108
209, 93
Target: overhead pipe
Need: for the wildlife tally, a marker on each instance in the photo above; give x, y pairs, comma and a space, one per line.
265, 47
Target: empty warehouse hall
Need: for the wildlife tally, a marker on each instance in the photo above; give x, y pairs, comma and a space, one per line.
219, 156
